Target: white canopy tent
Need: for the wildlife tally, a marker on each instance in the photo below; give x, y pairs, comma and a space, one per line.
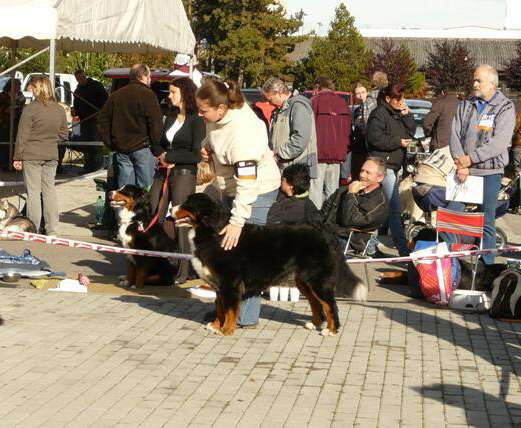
129, 26
117, 26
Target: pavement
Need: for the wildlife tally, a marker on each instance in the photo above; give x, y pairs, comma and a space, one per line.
117, 358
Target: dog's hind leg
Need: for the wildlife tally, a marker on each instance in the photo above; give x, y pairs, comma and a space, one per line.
317, 316
140, 277
230, 306
328, 302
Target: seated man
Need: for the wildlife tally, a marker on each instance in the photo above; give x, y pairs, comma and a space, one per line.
362, 205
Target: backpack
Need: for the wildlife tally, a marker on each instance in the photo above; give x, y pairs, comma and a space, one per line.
506, 295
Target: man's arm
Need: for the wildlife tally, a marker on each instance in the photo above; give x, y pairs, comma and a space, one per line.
501, 137
104, 121
353, 216
431, 118
455, 143
301, 121
154, 118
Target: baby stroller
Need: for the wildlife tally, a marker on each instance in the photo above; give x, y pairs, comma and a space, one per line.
426, 192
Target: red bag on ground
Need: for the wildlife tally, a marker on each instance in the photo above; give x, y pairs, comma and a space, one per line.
435, 275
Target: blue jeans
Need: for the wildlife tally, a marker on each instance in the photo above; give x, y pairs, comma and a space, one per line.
136, 168
390, 187
491, 186
250, 307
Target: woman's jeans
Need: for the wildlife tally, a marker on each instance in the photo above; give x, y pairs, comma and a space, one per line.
250, 307
39, 180
390, 187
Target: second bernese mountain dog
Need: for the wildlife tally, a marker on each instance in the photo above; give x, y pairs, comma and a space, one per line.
263, 256
137, 231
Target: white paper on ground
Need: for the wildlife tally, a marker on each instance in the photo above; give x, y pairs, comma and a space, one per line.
470, 191
71, 285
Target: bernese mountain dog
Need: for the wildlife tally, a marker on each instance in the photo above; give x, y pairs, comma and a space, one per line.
139, 229
263, 256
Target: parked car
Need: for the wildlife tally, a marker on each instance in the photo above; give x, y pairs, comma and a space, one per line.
65, 85
252, 95
420, 109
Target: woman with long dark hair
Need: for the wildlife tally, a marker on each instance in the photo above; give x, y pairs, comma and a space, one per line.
390, 130
178, 153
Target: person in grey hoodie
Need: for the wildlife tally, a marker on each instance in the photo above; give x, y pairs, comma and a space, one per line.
293, 136
480, 138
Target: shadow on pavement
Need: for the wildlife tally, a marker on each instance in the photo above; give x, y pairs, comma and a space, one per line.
494, 342
195, 310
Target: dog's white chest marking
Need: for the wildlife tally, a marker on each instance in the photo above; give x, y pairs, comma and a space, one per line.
201, 270
125, 217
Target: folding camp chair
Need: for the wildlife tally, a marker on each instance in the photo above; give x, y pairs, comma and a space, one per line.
350, 253
462, 223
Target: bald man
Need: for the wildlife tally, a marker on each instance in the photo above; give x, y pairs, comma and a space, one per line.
481, 135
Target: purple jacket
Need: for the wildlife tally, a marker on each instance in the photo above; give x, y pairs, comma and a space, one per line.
333, 123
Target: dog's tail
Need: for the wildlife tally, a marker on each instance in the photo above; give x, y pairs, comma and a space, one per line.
350, 285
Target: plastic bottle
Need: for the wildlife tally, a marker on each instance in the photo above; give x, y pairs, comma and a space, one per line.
100, 210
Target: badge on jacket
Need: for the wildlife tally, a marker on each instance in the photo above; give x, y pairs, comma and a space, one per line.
486, 122
246, 170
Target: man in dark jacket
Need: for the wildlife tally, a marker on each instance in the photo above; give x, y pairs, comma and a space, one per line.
129, 124
362, 205
89, 98
333, 125
438, 122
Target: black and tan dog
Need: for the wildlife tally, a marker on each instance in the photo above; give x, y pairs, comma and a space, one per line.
11, 219
139, 230
263, 256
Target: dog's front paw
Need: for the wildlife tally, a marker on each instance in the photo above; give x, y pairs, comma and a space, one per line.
211, 328
310, 326
327, 332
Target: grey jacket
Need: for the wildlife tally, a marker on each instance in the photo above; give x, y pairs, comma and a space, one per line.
487, 148
293, 136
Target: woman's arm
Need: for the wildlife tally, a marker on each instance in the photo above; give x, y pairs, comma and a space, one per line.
24, 130
378, 137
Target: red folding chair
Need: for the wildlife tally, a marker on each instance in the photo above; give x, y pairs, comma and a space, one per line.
462, 223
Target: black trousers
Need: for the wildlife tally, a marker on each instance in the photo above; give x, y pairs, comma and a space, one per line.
181, 184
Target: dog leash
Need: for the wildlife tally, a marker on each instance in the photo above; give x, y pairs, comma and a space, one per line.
161, 200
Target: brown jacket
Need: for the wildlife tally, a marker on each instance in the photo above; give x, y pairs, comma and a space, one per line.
131, 119
438, 123
40, 129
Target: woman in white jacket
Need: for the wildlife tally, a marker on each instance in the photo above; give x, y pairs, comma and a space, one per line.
247, 174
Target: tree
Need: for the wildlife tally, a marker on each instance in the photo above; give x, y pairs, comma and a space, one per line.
450, 67
247, 40
513, 70
398, 63
340, 56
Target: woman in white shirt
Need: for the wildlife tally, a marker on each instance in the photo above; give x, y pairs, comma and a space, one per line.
247, 174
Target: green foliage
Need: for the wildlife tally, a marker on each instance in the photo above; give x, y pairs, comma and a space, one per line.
244, 40
513, 70
450, 67
340, 56
398, 63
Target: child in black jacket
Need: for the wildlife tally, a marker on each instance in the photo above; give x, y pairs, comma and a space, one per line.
293, 205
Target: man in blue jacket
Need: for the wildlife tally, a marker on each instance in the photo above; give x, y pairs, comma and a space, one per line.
481, 135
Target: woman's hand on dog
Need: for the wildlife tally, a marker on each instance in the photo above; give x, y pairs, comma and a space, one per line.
231, 233
18, 165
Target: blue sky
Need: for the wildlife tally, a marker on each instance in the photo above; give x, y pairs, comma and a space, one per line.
426, 14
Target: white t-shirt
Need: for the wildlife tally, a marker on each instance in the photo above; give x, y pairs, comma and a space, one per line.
176, 126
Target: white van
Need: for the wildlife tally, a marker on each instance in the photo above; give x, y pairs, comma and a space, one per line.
65, 85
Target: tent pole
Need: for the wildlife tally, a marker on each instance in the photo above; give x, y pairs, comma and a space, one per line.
12, 109
23, 62
52, 62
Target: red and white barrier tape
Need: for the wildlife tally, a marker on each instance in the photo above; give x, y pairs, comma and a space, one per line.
34, 237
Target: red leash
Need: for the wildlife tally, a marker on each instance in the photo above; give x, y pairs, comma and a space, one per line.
161, 199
